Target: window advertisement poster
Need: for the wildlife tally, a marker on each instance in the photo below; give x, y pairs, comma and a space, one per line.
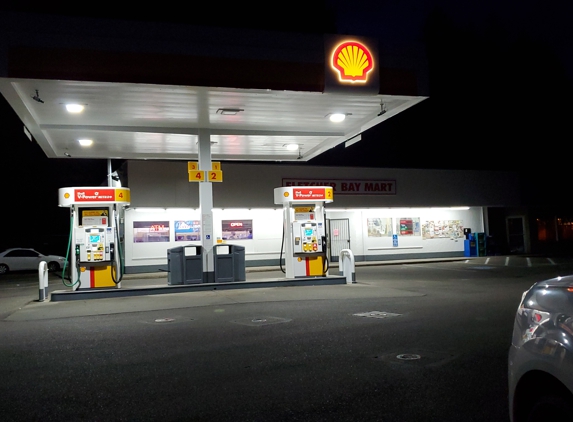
187, 230
408, 226
150, 231
443, 229
237, 229
379, 227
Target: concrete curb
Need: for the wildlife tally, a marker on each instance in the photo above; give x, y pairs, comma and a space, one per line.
163, 274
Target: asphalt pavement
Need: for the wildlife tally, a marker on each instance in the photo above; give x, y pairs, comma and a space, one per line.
257, 278
410, 341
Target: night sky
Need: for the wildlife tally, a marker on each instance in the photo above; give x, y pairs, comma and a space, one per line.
499, 75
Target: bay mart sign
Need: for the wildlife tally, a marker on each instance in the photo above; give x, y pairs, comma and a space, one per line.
348, 187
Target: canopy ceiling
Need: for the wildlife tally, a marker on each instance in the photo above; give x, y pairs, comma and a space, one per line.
143, 121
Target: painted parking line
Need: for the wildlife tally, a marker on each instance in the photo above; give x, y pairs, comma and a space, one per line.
513, 261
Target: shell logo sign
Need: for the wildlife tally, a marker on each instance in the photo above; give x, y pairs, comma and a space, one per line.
353, 61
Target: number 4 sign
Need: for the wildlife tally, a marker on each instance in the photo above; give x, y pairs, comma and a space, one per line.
197, 176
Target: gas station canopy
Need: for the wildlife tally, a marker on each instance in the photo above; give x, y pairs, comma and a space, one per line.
258, 96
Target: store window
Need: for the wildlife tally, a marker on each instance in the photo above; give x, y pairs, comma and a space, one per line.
551, 229
150, 231
565, 228
546, 230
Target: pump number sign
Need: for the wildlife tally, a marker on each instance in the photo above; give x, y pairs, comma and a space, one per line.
197, 176
213, 175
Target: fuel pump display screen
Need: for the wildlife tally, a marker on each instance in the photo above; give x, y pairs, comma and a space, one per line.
95, 238
308, 232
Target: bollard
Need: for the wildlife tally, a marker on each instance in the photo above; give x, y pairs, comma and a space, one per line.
43, 280
346, 266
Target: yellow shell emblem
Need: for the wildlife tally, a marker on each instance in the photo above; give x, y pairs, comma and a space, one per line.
353, 61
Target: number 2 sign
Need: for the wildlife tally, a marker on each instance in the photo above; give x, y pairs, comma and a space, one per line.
215, 176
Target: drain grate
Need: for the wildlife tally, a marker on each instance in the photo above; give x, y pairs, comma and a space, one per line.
177, 319
424, 358
376, 314
258, 321
408, 356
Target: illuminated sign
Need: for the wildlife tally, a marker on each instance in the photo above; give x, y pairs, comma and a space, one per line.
188, 230
237, 229
349, 186
285, 195
94, 195
353, 61
303, 193
69, 196
150, 231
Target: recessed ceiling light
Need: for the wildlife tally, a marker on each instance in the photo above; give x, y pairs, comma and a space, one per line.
74, 108
85, 142
337, 117
291, 147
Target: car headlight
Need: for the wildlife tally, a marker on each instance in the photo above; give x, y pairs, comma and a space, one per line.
531, 320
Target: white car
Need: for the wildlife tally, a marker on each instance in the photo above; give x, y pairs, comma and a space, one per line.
540, 364
24, 259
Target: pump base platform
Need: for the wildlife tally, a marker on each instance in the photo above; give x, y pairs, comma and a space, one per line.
101, 293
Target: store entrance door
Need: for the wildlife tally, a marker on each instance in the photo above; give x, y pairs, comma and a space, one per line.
338, 237
516, 235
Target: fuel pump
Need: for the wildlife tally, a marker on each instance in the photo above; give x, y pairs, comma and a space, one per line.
94, 236
304, 231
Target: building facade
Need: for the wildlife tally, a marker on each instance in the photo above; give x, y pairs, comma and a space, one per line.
379, 214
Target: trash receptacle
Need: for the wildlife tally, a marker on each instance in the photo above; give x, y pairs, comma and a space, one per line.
229, 263
239, 264
185, 265
175, 265
224, 263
